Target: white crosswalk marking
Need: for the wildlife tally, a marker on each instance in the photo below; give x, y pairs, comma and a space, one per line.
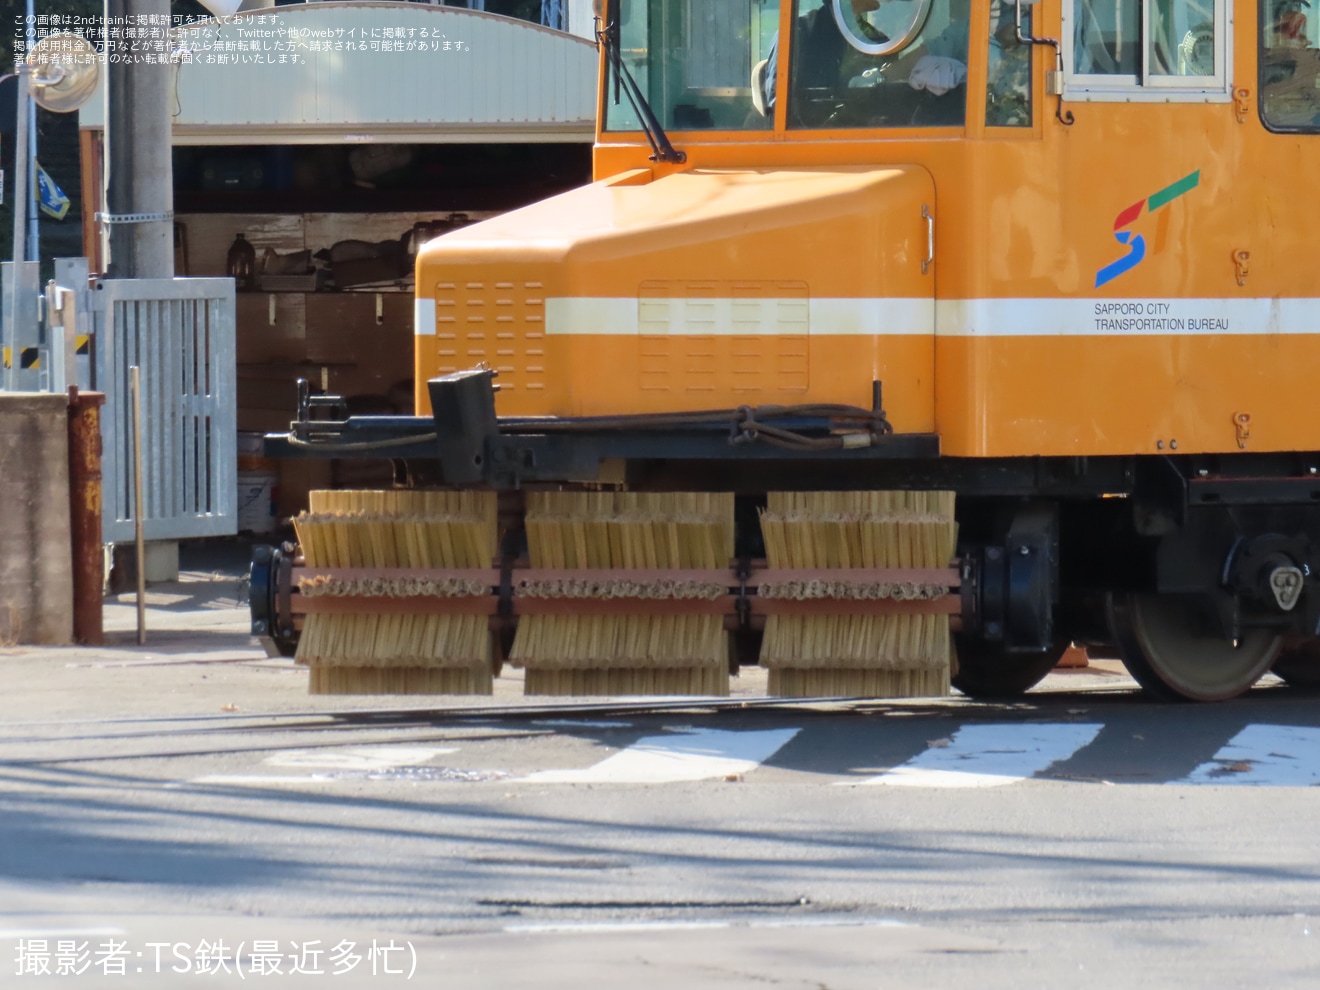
972, 756
700, 754
1265, 756
990, 755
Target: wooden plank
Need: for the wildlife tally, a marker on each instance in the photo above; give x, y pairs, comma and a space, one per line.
685, 575
490, 575
91, 150
325, 229
850, 578
370, 329
724, 605
333, 605
950, 605
262, 340
211, 234
860, 576
944, 605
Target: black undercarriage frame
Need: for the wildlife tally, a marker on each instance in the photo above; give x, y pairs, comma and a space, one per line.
1042, 540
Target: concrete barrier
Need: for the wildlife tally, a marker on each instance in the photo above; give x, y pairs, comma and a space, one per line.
36, 570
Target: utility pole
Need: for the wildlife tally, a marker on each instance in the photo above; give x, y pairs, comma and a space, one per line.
139, 195
22, 185
33, 224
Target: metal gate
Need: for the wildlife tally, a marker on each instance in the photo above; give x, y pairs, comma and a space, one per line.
180, 333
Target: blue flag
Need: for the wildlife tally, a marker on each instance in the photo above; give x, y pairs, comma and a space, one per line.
51, 197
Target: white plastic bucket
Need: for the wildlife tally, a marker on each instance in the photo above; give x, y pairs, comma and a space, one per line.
257, 495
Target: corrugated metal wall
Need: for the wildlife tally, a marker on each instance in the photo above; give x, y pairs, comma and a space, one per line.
391, 71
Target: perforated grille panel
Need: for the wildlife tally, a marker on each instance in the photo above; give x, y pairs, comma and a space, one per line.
501, 324
708, 336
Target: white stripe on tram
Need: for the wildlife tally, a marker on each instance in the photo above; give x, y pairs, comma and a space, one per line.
423, 316
629, 316
1134, 317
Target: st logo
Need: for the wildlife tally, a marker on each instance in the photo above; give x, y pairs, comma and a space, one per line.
1136, 244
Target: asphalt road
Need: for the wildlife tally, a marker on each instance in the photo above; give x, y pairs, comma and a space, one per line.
1086, 838
185, 814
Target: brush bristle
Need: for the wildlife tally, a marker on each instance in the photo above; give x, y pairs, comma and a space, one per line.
388, 653
633, 654
857, 655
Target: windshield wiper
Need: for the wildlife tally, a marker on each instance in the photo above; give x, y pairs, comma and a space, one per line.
662, 149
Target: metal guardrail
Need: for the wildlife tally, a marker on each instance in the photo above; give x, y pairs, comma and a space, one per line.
181, 334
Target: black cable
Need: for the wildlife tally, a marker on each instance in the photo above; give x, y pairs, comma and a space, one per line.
295, 441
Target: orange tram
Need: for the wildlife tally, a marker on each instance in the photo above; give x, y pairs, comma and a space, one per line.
1052, 257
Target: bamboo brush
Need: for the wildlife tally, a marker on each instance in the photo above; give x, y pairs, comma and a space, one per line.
389, 653
857, 655
625, 654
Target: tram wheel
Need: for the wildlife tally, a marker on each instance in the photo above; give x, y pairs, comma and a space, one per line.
987, 671
1160, 643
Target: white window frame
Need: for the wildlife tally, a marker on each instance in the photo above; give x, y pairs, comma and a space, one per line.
1149, 87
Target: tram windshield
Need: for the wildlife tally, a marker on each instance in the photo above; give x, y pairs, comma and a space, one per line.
714, 64
692, 61
901, 63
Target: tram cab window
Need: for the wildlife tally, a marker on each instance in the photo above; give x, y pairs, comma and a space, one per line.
1008, 73
1289, 67
1135, 50
863, 63
693, 61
